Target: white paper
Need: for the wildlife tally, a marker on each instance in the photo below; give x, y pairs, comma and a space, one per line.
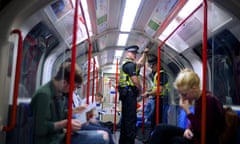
82, 117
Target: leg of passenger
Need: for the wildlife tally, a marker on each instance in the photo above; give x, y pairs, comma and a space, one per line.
90, 137
92, 126
130, 119
153, 120
165, 107
122, 126
180, 140
163, 134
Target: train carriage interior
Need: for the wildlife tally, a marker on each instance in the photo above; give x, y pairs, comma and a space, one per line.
100, 30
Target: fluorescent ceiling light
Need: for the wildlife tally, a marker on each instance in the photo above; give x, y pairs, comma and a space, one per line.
118, 55
169, 29
122, 39
85, 9
189, 7
130, 11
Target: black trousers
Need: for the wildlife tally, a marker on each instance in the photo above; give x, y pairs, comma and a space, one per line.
168, 134
129, 116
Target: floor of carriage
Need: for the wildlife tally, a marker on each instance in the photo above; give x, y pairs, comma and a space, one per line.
140, 139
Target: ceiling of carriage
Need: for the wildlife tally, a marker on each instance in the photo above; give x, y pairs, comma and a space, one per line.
153, 22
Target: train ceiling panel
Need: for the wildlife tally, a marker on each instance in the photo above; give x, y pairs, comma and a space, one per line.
103, 58
107, 40
153, 22
140, 40
162, 10
101, 15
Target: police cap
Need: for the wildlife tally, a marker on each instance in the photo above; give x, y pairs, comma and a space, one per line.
152, 60
133, 48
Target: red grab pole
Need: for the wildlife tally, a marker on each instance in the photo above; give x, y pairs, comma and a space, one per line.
143, 100
115, 99
204, 59
158, 86
96, 80
93, 81
17, 78
71, 87
89, 53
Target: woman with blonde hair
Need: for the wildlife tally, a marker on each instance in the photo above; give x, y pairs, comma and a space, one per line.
187, 84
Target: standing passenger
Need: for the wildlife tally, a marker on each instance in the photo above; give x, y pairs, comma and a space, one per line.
49, 113
187, 84
163, 105
129, 89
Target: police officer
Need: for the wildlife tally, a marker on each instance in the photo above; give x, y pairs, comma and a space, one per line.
129, 89
164, 89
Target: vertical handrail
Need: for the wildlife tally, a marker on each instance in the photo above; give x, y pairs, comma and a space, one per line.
204, 59
16, 82
158, 86
163, 42
100, 84
93, 81
96, 80
115, 99
143, 100
89, 53
72, 75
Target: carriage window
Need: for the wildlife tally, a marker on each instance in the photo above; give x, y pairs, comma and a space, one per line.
38, 41
224, 61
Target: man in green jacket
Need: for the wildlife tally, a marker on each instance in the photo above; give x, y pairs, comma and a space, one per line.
50, 116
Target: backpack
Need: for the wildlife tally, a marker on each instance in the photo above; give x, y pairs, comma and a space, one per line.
228, 135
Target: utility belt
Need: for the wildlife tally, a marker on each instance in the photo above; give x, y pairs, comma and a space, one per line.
128, 91
129, 88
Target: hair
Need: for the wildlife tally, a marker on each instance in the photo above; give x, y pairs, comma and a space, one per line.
65, 70
99, 94
186, 78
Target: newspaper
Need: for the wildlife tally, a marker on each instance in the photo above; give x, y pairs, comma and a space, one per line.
82, 117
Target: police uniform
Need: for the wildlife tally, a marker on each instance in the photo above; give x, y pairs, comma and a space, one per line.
163, 105
128, 95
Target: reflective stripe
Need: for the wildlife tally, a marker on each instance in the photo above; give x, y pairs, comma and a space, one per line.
165, 86
124, 79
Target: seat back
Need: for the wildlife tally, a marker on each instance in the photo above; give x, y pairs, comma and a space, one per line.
23, 132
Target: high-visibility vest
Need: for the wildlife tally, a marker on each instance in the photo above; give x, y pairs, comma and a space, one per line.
125, 79
165, 86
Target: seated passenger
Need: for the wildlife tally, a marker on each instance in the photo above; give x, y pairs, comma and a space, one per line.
49, 113
187, 84
92, 123
98, 100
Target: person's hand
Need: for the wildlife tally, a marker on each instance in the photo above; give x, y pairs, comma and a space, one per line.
81, 108
76, 125
146, 50
93, 120
146, 94
188, 134
184, 104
